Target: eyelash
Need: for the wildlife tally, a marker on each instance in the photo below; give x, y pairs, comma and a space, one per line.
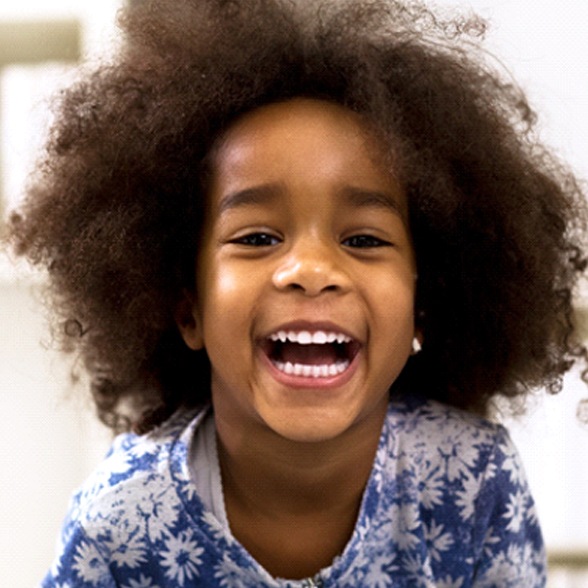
268, 240
365, 242
255, 240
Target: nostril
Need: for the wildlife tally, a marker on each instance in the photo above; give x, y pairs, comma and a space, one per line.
311, 276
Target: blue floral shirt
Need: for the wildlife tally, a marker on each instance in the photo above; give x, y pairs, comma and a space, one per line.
447, 505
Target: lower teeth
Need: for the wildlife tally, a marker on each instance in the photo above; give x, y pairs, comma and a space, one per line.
312, 371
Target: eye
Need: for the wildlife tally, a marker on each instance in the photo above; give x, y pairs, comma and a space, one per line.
365, 241
257, 240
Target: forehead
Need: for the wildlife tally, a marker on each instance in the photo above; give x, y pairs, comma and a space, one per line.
296, 112
301, 144
317, 125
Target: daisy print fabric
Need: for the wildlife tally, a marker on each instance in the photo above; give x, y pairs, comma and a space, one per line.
447, 505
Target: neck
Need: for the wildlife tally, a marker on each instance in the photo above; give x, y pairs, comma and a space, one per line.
269, 473
294, 505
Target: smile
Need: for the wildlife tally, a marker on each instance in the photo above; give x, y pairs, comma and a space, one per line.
317, 354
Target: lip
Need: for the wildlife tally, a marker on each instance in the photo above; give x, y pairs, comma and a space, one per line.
308, 382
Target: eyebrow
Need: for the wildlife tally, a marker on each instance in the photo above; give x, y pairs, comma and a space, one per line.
355, 197
362, 198
249, 196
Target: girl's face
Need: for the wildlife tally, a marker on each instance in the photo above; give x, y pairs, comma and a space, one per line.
306, 275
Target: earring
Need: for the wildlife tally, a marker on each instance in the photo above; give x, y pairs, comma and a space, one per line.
416, 346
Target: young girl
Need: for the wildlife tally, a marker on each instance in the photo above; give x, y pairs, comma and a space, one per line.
301, 249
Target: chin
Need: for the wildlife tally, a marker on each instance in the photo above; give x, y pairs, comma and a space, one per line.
308, 435
309, 428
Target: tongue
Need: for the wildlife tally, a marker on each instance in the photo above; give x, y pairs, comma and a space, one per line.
308, 354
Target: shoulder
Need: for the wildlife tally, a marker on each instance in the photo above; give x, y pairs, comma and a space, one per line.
451, 455
454, 457
139, 517
430, 424
135, 467
459, 483
456, 469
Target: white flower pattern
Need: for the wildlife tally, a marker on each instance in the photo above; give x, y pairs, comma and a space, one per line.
88, 563
141, 582
437, 540
516, 511
431, 486
182, 558
447, 506
129, 552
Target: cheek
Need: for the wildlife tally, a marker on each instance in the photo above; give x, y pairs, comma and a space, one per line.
226, 296
394, 290
216, 286
227, 285
393, 308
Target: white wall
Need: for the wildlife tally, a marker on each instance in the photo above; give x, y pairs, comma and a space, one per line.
49, 440
48, 444
544, 45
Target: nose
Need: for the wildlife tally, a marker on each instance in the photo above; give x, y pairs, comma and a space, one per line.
312, 267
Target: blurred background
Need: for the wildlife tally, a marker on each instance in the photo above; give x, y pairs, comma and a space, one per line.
49, 439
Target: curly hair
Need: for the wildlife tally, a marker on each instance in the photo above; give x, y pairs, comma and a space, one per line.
114, 208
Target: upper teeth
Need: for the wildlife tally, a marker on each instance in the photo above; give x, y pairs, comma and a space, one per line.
306, 337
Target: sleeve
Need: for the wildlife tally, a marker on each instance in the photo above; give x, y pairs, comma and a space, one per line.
79, 562
509, 548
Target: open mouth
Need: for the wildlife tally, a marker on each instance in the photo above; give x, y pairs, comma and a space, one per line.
320, 354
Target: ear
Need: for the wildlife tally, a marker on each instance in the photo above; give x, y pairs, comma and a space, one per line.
188, 323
